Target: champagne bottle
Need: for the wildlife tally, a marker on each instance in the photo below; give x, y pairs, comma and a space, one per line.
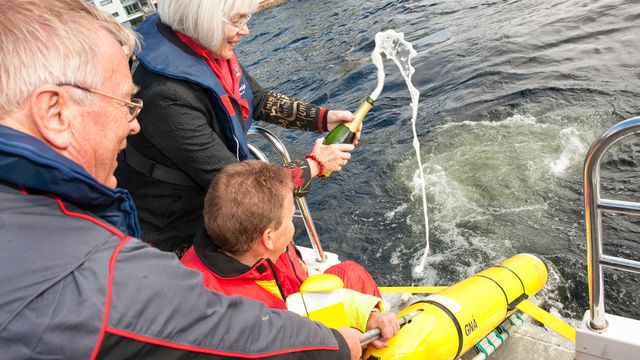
345, 133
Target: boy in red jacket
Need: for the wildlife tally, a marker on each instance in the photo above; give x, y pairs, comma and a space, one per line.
246, 247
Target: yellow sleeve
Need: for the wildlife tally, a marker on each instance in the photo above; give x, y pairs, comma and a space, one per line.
358, 306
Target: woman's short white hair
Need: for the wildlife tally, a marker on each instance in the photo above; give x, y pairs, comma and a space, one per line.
203, 20
51, 42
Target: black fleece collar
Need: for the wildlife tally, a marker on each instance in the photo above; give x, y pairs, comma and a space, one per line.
220, 263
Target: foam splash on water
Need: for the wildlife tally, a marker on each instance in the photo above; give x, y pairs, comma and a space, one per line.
573, 148
494, 187
393, 45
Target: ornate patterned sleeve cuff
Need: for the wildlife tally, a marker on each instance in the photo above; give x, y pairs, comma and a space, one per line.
294, 114
300, 175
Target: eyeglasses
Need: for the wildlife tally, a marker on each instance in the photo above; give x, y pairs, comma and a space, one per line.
240, 23
134, 106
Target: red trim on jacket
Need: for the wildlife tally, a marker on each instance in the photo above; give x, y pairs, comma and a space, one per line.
112, 262
107, 302
154, 341
321, 119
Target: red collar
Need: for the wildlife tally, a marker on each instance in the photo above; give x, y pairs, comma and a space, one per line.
228, 72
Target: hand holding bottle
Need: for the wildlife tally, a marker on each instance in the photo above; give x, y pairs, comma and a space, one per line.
333, 157
337, 117
347, 132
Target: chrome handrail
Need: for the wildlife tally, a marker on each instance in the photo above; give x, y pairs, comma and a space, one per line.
303, 208
594, 205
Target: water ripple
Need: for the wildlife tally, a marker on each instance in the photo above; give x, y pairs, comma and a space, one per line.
512, 93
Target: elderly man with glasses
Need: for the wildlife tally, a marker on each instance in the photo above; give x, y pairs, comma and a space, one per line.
75, 283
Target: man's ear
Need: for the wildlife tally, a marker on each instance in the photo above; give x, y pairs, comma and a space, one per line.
49, 110
267, 239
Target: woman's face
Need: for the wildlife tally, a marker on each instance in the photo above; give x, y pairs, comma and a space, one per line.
236, 28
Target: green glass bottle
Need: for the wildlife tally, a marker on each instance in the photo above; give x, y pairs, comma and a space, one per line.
345, 133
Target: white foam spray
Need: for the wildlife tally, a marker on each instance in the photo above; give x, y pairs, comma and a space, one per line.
572, 150
393, 45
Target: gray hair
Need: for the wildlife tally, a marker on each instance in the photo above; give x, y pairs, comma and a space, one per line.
202, 20
50, 42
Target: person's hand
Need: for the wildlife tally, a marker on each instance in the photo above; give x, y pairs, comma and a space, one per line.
388, 325
335, 117
334, 157
352, 336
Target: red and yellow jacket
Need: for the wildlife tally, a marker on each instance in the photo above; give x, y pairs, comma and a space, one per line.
271, 283
264, 281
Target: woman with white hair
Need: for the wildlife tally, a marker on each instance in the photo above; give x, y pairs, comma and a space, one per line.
199, 105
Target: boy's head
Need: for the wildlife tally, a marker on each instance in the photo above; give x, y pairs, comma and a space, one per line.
249, 207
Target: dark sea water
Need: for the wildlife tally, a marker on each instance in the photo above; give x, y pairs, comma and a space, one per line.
512, 95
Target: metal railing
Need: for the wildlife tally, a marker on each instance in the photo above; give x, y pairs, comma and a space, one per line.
594, 205
302, 210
